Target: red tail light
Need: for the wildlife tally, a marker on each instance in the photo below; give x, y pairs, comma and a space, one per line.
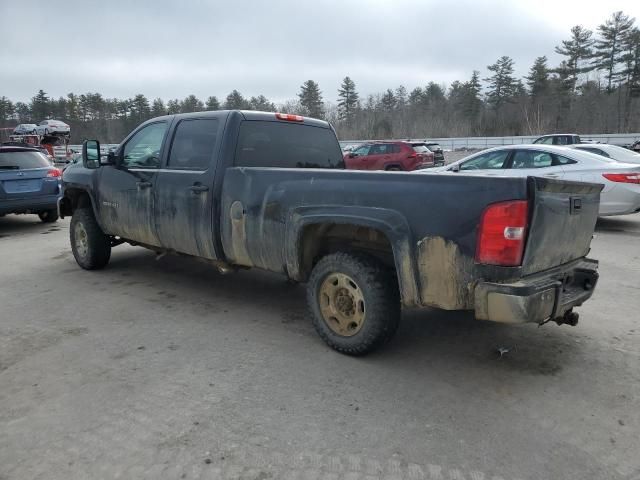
623, 177
413, 155
502, 233
53, 173
289, 117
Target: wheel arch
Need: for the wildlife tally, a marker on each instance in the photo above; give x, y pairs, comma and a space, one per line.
385, 234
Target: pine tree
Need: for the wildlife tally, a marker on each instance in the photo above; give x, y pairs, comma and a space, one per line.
173, 106
6, 109
191, 104
140, 110
311, 99
538, 78
502, 83
577, 49
235, 101
40, 106
261, 104
347, 101
212, 104
157, 108
388, 101
609, 47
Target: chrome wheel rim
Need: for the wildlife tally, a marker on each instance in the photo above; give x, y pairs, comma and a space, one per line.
81, 240
342, 304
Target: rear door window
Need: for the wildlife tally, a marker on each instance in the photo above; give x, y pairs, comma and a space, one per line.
193, 144
531, 159
22, 160
420, 148
487, 161
287, 145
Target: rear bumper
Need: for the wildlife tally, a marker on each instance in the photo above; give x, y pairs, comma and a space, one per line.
540, 297
29, 205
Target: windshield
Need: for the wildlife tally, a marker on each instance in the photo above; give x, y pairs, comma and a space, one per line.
22, 160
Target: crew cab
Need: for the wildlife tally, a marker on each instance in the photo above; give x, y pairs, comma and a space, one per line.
268, 190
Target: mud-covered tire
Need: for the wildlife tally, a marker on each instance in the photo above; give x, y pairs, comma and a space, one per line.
48, 216
90, 246
379, 293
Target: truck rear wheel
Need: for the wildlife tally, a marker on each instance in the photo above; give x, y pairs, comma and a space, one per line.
354, 302
90, 246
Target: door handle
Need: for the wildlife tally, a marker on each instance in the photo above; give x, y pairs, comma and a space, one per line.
198, 188
551, 175
143, 185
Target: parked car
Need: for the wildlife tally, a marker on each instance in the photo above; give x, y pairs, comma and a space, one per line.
438, 153
235, 188
28, 183
635, 146
390, 156
619, 154
558, 139
52, 127
621, 193
25, 129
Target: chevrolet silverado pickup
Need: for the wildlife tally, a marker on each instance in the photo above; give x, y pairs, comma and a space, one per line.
268, 190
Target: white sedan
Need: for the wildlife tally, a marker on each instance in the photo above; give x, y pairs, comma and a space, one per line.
621, 193
614, 152
50, 127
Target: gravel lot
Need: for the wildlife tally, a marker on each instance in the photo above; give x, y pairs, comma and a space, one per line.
166, 369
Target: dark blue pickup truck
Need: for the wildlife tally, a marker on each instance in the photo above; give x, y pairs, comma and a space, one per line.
268, 190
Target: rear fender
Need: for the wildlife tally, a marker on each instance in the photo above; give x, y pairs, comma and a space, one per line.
390, 223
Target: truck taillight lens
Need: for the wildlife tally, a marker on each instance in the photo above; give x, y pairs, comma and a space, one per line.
622, 177
502, 234
54, 173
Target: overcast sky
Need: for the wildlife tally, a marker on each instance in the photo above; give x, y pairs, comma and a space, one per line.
170, 49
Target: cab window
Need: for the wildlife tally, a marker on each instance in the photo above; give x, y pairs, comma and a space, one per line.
486, 161
193, 144
143, 149
531, 159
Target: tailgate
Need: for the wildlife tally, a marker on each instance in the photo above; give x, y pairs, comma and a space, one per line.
562, 223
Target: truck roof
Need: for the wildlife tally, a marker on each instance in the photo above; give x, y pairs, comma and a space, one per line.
248, 115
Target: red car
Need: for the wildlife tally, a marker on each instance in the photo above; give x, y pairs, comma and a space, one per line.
404, 156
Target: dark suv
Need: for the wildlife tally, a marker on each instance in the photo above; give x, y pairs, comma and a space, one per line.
438, 153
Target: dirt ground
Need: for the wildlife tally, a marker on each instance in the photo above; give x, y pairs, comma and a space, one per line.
166, 369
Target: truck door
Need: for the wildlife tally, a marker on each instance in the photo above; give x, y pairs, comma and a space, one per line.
125, 191
184, 196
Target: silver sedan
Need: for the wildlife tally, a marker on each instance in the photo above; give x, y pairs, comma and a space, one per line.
621, 193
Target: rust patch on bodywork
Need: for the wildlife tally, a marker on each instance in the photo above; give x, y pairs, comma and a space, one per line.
446, 274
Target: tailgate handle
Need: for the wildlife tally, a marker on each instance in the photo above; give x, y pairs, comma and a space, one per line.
576, 205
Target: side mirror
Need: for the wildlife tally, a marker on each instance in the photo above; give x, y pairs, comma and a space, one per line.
455, 168
91, 154
352, 155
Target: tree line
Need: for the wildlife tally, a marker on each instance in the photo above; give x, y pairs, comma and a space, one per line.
594, 89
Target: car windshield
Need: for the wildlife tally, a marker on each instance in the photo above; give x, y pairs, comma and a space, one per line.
22, 160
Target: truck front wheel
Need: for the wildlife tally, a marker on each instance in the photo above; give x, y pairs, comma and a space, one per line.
354, 302
90, 246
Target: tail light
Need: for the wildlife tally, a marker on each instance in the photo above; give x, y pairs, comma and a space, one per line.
289, 117
413, 155
502, 233
623, 177
54, 173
